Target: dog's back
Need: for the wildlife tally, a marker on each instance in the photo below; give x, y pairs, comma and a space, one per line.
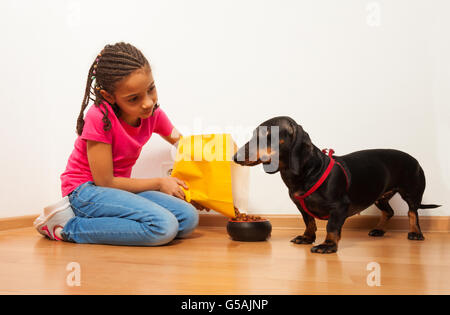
379, 171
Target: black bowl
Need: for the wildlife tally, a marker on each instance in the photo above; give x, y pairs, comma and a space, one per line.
249, 231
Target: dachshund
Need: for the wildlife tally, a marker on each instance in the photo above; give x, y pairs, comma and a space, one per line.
332, 187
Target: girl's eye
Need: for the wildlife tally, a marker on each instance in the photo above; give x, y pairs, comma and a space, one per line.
134, 99
151, 89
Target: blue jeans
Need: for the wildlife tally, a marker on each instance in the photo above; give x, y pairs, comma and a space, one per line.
117, 217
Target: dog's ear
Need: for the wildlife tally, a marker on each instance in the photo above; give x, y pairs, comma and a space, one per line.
297, 143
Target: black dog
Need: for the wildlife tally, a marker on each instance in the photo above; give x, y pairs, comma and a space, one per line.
354, 182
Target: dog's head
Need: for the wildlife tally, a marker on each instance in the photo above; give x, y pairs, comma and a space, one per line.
276, 143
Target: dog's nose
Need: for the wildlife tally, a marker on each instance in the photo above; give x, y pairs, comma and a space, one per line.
235, 157
239, 156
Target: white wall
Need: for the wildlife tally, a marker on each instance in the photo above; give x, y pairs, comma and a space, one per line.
356, 74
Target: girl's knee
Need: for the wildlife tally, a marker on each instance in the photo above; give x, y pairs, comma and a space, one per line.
163, 230
189, 221
193, 216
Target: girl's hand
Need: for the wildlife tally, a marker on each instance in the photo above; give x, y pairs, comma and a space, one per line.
199, 206
171, 186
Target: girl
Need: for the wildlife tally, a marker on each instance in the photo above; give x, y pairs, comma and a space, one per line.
108, 206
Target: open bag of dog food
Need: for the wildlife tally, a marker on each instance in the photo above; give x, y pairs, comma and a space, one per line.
215, 182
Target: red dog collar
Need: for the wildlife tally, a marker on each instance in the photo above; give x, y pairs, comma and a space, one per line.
319, 183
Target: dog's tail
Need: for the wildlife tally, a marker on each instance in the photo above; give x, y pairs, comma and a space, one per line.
429, 206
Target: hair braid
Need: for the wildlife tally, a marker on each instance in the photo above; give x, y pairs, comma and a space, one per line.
114, 63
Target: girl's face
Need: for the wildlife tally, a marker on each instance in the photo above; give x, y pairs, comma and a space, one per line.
135, 95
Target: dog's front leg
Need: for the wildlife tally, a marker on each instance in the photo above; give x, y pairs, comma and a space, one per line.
334, 227
309, 236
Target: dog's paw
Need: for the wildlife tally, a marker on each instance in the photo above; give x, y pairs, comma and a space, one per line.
415, 236
301, 239
324, 249
376, 233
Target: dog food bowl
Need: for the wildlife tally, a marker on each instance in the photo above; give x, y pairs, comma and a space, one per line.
249, 231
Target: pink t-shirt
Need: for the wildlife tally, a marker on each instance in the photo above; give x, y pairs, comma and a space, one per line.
127, 142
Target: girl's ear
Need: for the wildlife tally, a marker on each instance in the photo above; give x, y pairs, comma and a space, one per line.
108, 97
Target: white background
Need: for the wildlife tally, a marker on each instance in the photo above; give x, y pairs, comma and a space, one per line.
356, 74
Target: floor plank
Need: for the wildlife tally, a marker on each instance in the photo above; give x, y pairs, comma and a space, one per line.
210, 263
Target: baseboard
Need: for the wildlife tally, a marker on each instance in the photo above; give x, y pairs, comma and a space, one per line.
357, 222
286, 221
17, 222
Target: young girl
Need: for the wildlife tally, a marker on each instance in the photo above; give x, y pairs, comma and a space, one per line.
108, 206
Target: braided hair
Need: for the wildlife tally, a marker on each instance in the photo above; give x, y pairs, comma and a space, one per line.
114, 63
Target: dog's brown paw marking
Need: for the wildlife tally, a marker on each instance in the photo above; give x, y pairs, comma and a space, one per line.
301, 239
324, 249
376, 233
415, 236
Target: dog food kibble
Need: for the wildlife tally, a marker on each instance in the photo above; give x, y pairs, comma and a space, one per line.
245, 217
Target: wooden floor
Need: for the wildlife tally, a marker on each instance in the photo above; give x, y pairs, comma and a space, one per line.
210, 263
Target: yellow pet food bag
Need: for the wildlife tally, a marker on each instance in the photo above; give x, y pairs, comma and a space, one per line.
205, 163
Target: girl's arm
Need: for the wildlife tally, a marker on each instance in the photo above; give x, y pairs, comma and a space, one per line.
173, 137
101, 165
